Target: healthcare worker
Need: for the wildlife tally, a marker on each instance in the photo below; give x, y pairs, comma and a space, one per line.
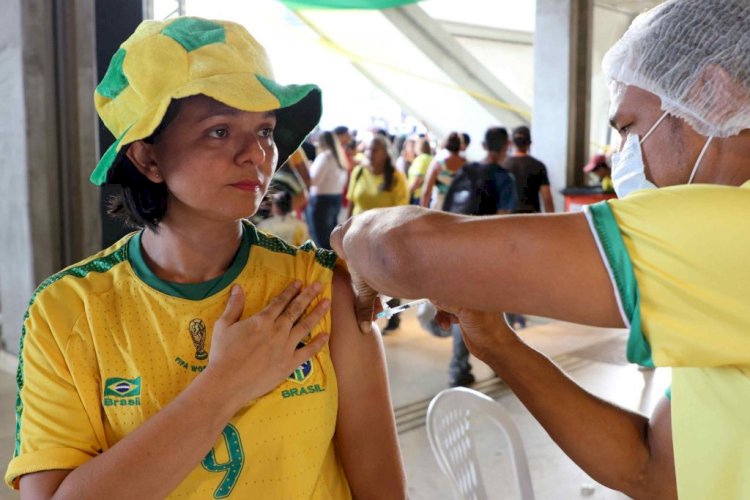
670, 264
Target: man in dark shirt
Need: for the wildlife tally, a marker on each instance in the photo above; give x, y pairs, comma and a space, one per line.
530, 173
499, 186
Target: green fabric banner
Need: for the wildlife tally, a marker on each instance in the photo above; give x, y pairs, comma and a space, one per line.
345, 4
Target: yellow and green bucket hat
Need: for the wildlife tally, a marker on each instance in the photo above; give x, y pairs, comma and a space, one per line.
165, 60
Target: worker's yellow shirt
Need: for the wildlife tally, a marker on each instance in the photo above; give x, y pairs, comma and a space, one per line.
678, 258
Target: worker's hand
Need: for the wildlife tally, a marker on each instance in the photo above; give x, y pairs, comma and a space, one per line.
483, 331
250, 357
366, 303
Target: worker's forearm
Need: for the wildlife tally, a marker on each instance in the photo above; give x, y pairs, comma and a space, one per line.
608, 442
497, 263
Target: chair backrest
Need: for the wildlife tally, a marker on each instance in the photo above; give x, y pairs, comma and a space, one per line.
449, 429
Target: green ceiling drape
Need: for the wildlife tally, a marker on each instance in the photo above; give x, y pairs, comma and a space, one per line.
345, 4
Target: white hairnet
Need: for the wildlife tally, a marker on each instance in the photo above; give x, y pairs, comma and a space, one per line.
694, 55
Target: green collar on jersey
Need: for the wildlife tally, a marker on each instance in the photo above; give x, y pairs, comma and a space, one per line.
190, 291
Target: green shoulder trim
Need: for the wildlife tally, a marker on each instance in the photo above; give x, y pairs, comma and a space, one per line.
99, 265
608, 232
326, 258
270, 242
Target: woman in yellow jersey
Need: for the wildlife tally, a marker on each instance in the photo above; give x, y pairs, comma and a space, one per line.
200, 357
377, 183
418, 170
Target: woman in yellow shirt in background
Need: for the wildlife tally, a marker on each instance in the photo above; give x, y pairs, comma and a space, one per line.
376, 183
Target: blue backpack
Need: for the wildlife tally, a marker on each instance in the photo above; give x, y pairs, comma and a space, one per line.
473, 191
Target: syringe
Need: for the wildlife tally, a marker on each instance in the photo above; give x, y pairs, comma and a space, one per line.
388, 312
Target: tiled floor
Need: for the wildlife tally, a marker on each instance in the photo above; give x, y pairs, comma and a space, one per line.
417, 367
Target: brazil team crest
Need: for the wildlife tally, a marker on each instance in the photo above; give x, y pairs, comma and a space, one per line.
197, 330
303, 371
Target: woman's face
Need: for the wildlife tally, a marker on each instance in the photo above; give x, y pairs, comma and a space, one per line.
376, 154
217, 161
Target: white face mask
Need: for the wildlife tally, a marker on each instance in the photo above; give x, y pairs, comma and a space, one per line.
628, 171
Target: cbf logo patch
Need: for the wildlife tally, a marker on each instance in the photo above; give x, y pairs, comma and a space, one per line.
122, 391
303, 371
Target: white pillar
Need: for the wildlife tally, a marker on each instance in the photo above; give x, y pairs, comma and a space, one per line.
562, 79
48, 210
16, 257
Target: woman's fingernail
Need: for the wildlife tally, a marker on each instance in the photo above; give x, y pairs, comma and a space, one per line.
365, 326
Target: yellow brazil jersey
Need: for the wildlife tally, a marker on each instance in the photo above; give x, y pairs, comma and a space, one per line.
364, 190
419, 168
678, 262
106, 345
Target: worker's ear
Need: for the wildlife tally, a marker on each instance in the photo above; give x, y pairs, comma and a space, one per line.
141, 155
722, 93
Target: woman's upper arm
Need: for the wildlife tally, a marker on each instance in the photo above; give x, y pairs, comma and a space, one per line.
366, 430
42, 484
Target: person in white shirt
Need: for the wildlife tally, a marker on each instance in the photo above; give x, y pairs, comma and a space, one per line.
328, 177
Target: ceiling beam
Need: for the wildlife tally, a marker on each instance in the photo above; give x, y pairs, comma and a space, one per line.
430, 37
476, 32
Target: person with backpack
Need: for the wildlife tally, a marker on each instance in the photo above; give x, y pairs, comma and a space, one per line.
483, 188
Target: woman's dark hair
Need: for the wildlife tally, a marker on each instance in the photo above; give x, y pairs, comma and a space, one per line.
388, 169
328, 142
283, 201
453, 142
423, 146
140, 202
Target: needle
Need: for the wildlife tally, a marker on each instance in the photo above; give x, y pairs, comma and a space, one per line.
388, 312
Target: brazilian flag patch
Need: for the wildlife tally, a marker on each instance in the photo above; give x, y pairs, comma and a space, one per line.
122, 387
303, 371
